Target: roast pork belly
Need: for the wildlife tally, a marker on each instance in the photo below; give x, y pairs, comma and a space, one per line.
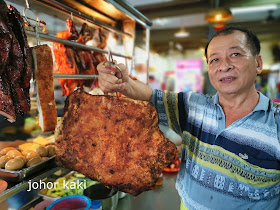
43, 69
113, 140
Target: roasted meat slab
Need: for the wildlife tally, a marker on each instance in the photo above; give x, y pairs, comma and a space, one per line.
15, 64
113, 140
43, 72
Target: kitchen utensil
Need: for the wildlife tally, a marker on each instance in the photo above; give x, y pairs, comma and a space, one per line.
108, 197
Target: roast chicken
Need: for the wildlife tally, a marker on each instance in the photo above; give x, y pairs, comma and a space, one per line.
69, 60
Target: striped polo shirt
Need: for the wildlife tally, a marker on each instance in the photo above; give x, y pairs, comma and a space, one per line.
231, 168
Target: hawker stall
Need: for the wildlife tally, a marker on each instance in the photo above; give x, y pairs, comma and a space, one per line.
50, 51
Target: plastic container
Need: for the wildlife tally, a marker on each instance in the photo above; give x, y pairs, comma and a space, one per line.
77, 202
95, 205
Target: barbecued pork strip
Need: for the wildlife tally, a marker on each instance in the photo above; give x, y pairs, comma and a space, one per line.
113, 140
43, 70
13, 70
15, 99
17, 25
5, 46
4, 12
21, 104
6, 106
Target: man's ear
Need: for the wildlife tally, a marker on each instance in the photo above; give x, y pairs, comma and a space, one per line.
259, 63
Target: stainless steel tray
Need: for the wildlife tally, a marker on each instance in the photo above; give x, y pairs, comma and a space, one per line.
20, 175
43, 192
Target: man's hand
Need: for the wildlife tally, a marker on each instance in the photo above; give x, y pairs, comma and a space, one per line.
111, 80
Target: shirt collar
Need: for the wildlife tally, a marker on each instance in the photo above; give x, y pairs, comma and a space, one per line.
262, 105
216, 99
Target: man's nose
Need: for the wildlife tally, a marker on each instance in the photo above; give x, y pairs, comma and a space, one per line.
225, 65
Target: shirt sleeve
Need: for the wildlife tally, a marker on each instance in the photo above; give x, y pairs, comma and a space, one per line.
277, 119
171, 108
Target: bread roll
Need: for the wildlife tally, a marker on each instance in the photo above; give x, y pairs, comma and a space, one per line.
43, 69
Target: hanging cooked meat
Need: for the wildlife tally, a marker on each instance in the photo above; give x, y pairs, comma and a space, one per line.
85, 56
4, 12
85, 34
7, 108
15, 64
66, 59
102, 40
14, 70
116, 141
5, 45
69, 60
43, 71
18, 28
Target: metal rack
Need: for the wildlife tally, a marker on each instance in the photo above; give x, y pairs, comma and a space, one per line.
74, 44
122, 6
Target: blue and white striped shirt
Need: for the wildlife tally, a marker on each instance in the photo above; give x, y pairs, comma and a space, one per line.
231, 168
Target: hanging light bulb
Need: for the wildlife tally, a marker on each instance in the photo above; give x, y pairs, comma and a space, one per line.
182, 33
218, 15
219, 26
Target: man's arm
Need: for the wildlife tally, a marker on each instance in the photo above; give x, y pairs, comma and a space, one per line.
110, 80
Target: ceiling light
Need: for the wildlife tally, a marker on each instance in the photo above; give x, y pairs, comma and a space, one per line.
218, 15
254, 8
219, 26
182, 33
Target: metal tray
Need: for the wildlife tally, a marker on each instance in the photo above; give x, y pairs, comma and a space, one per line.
20, 175
43, 192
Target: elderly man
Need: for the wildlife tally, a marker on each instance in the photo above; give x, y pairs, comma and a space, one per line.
231, 141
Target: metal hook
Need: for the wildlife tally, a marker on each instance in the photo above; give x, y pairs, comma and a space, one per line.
111, 62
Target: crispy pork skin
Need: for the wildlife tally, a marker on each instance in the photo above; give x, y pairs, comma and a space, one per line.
113, 140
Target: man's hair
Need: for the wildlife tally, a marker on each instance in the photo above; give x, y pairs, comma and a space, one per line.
252, 40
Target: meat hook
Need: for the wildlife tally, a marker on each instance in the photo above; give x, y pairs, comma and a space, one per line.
111, 62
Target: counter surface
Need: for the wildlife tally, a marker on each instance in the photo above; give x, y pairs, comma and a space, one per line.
163, 197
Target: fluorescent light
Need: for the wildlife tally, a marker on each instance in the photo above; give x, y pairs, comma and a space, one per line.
254, 8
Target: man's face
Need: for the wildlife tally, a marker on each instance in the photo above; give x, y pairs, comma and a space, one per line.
231, 66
